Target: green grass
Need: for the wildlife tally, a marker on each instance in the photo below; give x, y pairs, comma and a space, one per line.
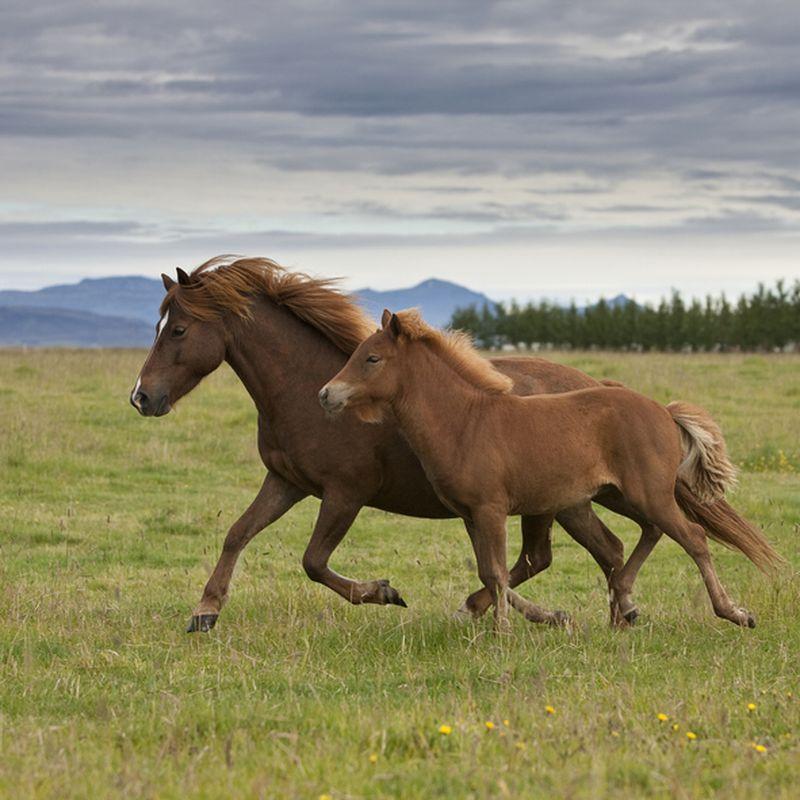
110, 524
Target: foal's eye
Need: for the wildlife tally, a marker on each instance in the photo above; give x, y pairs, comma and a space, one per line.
373, 359
178, 331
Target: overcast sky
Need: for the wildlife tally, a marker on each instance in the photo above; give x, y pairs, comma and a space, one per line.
557, 149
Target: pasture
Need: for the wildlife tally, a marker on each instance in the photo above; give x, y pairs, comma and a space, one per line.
110, 524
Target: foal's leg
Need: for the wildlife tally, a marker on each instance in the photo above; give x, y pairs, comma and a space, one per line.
336, 515
275, 497
535, 556
692, 537
488, 534
487, 531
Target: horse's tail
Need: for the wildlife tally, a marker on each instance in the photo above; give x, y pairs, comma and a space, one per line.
705, 468
723, 524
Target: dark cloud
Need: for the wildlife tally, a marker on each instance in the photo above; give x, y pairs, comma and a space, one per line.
701, 94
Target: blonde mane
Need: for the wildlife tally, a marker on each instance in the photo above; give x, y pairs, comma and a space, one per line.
455, 348
227, 284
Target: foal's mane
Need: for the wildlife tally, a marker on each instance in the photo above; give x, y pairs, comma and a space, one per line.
227, 284
456, 349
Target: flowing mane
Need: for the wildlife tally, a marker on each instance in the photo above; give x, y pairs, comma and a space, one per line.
227, 284
455, 348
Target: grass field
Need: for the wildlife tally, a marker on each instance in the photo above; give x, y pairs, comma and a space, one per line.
110, 524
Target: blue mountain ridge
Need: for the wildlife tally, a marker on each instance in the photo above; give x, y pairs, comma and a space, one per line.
121, 311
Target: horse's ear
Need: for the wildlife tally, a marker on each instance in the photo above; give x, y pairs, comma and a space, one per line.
167, 281
385, 317
183, 278
395, 328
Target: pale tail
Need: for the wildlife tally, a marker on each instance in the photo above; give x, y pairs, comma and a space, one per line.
706, 468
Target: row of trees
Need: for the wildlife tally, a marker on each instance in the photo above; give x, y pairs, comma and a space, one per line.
769, 319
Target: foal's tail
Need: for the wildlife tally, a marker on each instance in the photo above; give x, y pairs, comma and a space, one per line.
726, 526
705, 474
705, 468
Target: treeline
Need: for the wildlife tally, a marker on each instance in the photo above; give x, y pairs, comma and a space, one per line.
767, 320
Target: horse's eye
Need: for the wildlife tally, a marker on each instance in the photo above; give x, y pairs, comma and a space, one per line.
373, 359
178, 331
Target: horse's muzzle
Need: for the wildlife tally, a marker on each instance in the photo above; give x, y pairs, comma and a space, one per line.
148, 407
332, 399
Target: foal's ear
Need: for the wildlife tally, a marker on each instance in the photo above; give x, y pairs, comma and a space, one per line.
167, 281
391, 323
183, 278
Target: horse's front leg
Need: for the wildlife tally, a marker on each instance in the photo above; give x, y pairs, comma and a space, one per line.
273, 500
336, 515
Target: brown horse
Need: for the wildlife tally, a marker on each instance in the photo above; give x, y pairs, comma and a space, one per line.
489, 453
284, 335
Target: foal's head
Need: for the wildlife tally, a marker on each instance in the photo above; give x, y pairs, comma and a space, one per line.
185, 350
370, 378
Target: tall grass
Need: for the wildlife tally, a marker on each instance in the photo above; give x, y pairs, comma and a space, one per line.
109, 525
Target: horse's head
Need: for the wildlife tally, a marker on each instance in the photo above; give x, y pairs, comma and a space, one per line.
370, 379
185, 350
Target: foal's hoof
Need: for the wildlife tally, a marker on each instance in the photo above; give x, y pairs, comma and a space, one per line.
389, 596
632, 616
561, 619
201, 623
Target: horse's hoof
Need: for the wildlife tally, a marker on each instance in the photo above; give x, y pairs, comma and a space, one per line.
632, 616
201, 623
389, 596
751, 621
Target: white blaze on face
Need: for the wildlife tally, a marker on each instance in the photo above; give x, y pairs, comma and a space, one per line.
161, 325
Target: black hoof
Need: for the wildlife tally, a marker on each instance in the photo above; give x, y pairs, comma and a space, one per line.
751, 621
632, 616
389, 595
201, 623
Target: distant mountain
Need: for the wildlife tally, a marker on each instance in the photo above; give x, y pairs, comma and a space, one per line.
132, 297
437, 299
36, 327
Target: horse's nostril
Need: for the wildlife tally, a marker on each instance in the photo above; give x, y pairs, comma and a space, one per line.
323, 394
140, 400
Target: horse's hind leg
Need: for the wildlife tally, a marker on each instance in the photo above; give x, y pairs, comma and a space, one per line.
535, 556
583, 525
625, 580
275, 497
668, 516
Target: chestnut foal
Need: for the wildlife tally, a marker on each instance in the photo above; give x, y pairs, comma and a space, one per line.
489, 453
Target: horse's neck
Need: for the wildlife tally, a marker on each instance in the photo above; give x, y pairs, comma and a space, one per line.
432, 408
281, 360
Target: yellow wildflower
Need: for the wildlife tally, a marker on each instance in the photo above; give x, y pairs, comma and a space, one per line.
662, 717
751, 706
373, 758
690, 735
325, 797
506, 723
489, 724
445, 730
759, 748
550, 709
675, 726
